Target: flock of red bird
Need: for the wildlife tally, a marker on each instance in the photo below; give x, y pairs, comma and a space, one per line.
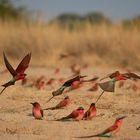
74, 83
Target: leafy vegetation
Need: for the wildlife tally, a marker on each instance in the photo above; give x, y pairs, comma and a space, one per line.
9, 11
132, 23
73, 21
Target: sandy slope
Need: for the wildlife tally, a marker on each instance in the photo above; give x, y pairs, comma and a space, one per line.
16, 122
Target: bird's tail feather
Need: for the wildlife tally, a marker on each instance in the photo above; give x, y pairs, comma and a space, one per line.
88, 136
98, 135
2, 90
50, 108
8, 84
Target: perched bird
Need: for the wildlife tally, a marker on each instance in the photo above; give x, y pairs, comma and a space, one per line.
63, 56
66, 55
24, 81
135, 87
41, 85
37, 112
86, 65
91, 112
62, 104
57, 70
94, 87
109, 131
75, 69
40, 82
50, 81
39, 79
121, 84
17, 74
60, 81
76, 115
65, 85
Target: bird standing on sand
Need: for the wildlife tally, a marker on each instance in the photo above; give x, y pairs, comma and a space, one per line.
76, 115
94, 87
109, 131
62, 104
37, 112
65, 85
91, 112
17, 74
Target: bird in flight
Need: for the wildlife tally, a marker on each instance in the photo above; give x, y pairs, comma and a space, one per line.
17, 74
68, 83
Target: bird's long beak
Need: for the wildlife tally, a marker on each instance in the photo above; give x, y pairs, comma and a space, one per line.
123, 117
103, 78
83, 76
32, 103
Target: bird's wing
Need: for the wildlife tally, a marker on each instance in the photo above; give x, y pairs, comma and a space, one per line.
110, 129
131, 75
24, 64
8, 66
61, 104
58, 92
8, 84
69, 82
74, 114
111, 76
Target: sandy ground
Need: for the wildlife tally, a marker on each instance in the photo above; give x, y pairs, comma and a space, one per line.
16, 122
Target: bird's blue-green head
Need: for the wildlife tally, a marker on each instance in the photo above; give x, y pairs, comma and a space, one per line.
80, 108
67, 97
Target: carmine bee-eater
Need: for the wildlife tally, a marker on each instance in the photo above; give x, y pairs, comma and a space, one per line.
40, 82
91, 112
109, 131
94, 87
17, 74
86, 65
57, 70
65, 85
37, 112
109, 86
50, 82
60, 81
75, 69
62, 104
116, 76
76, 115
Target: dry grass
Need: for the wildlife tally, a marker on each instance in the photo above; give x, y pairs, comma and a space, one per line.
98, 45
